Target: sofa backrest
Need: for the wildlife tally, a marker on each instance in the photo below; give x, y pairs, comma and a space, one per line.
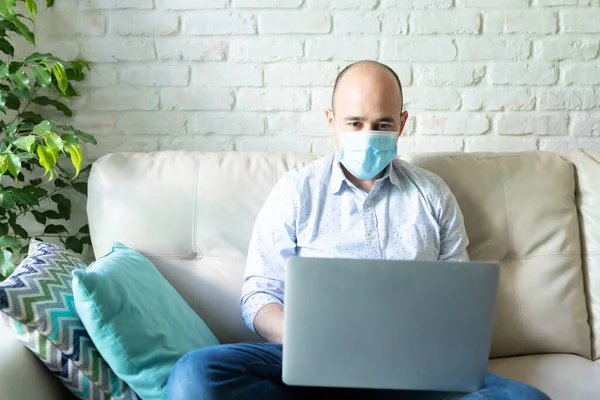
520, 212
587, 165
192, 214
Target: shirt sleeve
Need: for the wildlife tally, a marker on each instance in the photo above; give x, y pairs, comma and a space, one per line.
453, 234
273, 241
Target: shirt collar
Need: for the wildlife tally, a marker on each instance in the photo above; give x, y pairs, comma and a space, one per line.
338, 178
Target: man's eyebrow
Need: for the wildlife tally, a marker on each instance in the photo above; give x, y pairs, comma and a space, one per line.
378, 120
352, 118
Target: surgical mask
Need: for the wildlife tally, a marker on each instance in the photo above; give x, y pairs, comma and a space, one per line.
366, 153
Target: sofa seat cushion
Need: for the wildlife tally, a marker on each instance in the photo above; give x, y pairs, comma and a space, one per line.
560, 376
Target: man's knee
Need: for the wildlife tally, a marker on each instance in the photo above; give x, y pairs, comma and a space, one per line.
507, 388
194, 375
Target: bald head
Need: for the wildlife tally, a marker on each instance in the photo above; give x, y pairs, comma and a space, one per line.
368, 73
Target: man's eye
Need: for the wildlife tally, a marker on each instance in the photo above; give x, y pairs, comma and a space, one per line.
355, 124
385, 127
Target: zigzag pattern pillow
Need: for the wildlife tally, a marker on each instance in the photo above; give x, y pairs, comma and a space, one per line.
37, 302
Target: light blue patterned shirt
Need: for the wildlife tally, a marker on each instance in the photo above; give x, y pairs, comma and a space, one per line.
314, 211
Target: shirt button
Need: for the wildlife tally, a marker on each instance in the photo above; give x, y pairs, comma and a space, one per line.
368, 202
370, 236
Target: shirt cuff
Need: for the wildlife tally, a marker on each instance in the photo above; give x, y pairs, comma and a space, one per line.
253, 304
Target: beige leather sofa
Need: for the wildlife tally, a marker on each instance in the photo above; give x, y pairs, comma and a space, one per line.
536, 214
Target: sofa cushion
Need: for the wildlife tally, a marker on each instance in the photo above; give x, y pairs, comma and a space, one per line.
520, 212
37, 303
560, 376
587, 166
138, 321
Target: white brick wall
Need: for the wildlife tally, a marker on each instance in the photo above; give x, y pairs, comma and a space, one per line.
479, 75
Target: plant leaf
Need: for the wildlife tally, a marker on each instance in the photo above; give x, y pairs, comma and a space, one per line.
59, 183
3, 70
32, 7
42, 76
70, 139
24, 30
6, 200
21, 80
3, 163
19, 230
35, 191
85, 229
74, 74
24, 16
49, 3
61, 77
85, 64
32, 117
24, 250
6, 47
7, 9
6, 261
81, 187
39, 217
8, 25
70, 92
25, 143
38, 57
61, 200
54, 142
76, 158
2, 102
24, 197
12, 101
46, 101
14, 66
64, 212
47, 158
11, 129
74, 244
86, 137
10, 241
55, 229
43, 128
51, 214
14, 165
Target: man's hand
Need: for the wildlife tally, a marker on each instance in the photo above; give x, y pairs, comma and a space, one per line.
268, 323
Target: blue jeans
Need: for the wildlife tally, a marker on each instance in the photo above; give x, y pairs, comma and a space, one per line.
250, 371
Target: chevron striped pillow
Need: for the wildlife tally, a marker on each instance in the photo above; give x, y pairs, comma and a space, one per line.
37, 302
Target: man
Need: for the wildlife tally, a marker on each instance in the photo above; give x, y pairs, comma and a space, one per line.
361, 202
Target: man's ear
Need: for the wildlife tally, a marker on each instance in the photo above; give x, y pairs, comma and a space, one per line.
330, 119
403, 120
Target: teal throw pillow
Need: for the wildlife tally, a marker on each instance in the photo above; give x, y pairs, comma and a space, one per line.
140, 324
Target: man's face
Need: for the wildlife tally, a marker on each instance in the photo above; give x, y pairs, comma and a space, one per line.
367, 100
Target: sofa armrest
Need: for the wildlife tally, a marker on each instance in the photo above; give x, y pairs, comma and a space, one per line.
22, 375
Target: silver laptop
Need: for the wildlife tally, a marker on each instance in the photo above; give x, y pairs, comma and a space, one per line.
380, 324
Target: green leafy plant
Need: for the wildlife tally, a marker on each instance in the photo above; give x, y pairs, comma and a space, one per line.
40, 159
